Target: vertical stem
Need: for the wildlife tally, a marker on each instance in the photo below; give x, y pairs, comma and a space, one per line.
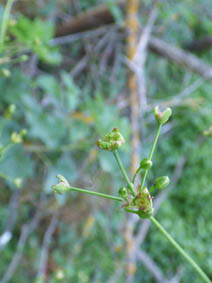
151, 154
181, 250
124, 173
5, 22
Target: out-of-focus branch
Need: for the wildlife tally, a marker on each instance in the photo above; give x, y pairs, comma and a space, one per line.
99, 16
89, 19
150, 266
132, 25
26, 230
45, 247
200, 44
13, 208
180, 57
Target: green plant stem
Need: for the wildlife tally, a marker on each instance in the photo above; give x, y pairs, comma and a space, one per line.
151, 154
136, 173
115, 153
5, 22
180, 250
95, 193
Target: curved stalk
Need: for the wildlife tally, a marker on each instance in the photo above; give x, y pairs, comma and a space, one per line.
181, 250
124, 173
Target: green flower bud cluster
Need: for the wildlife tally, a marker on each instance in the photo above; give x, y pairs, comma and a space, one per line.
62, 187
162, 117
208, 133
18, 137
141, 204
111, 141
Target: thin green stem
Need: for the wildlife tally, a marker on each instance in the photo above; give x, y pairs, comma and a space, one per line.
5, 22
181, 250
151, 154
124, 173
94, 193
135, 175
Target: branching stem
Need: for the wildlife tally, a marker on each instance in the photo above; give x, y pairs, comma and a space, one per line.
151, 154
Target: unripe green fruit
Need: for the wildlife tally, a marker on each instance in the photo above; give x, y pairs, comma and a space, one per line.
123, 193
162, 182
146, 164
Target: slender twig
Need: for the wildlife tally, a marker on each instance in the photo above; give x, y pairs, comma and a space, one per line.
5, 22
94, 193
151, 154
180, 250
25, 232
124, 173
45, 247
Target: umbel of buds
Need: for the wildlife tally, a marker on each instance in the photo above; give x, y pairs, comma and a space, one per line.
162, 117
162, 182
111, 141
62, 187
142, 204
18, 137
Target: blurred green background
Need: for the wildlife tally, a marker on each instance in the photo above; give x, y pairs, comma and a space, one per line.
68, 92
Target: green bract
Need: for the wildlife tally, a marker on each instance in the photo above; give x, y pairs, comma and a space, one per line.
111, 141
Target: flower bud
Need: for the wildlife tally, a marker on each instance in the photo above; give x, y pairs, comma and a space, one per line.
208, 133
10, 111
111, 141
18, 182
16, 138
6, 73
162, 117
24, 58
146, 164
162, 182
123, 193
62, 187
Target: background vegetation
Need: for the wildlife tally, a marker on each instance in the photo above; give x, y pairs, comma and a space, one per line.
70, 87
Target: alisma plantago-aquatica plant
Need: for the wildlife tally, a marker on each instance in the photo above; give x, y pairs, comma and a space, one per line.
136, 199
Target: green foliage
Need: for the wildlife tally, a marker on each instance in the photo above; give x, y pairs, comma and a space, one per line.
35, 36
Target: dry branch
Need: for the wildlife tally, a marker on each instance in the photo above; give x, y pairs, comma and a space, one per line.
199, 45
180, 57
96, 17
90, 19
